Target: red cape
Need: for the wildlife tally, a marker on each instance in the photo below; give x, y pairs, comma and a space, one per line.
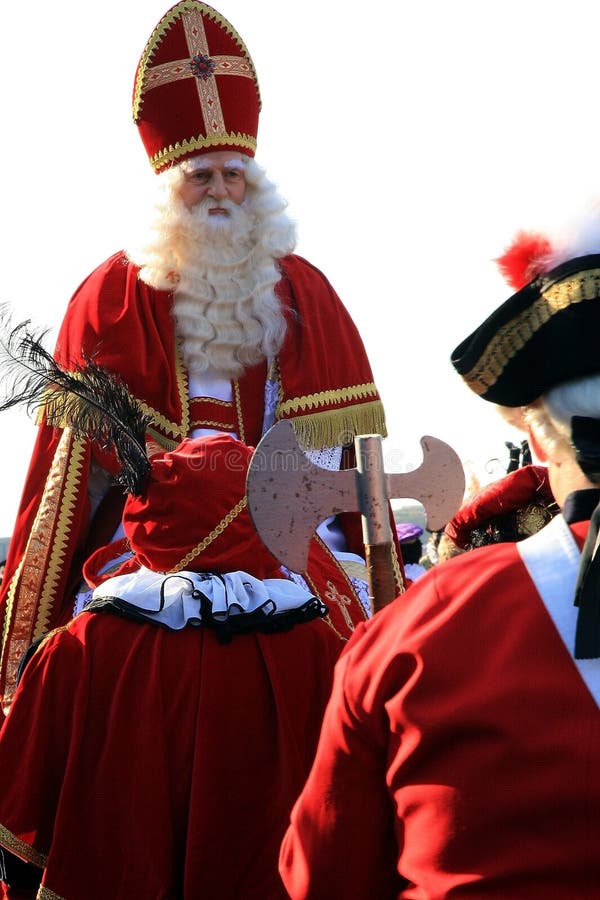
326, 389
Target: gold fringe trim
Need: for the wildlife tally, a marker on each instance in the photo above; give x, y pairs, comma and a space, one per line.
343, 395
174, 151
513, 336
21, 849
219, 529
159, 32
339, 427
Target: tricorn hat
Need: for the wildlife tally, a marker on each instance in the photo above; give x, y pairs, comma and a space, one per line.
542, 336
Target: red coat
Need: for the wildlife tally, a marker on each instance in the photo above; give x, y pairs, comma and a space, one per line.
460, 751
171, 771
326, 389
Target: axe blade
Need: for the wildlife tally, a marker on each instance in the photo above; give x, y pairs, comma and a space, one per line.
289, 496
438, 483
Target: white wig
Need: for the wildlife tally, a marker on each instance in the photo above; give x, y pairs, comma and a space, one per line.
550, 416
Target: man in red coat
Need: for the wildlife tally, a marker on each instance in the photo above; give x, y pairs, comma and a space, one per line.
212, 321
460, 750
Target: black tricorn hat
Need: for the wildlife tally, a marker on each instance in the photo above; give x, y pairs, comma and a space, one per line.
545, 334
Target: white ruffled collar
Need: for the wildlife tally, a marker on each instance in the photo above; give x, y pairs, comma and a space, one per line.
197, 598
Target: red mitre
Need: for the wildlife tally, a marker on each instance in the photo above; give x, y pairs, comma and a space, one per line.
195, 88
193, 513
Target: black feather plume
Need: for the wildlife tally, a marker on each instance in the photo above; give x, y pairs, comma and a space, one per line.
92, 401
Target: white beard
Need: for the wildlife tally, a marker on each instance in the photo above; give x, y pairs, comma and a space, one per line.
222, 271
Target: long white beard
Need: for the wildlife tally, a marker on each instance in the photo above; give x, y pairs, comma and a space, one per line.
223, 272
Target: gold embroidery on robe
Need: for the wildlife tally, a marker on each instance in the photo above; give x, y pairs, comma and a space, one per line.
33, 588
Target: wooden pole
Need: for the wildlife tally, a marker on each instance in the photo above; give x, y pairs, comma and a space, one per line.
377, 531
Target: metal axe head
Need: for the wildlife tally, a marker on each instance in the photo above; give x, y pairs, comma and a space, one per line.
438, 483
289, 496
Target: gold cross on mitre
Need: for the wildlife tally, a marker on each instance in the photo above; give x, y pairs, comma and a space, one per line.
203, 67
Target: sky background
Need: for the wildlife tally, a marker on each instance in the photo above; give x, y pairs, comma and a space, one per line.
411, 139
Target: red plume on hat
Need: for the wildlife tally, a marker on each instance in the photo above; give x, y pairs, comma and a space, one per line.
195, 87
526, 257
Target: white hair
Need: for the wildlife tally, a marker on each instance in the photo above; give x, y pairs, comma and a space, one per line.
275, 231
222, 273
550, 416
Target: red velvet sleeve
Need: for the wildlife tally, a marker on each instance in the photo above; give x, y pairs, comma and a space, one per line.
344, 812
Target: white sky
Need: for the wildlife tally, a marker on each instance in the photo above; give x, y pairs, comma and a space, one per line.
412, 140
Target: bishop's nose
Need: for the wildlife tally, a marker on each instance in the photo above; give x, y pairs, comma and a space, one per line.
218, 188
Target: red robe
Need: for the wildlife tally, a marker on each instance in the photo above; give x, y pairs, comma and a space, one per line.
460, 751
325, 387
171, 771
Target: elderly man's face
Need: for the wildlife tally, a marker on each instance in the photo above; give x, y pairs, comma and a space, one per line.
218, 176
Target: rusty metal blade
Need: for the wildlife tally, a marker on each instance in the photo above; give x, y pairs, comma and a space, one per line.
289, 496
438, 483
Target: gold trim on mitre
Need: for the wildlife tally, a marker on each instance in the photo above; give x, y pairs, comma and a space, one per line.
174, 151
158, 34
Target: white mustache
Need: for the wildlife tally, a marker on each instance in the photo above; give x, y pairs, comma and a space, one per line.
237, 223
201, 211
